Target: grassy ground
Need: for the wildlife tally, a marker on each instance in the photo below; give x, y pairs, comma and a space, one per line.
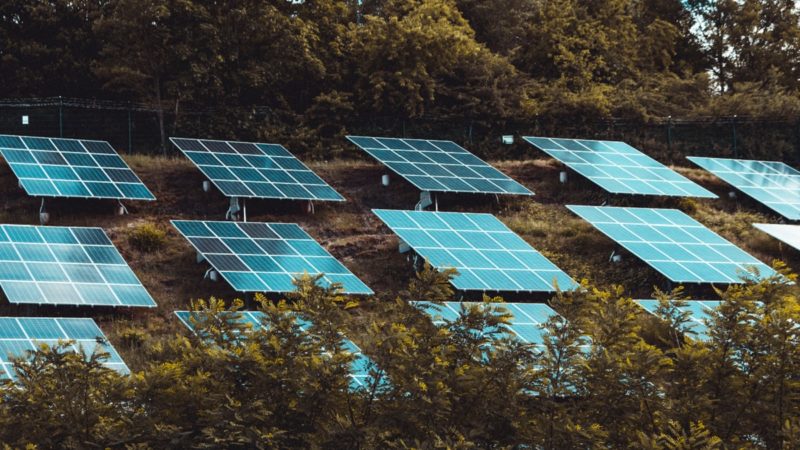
355, 236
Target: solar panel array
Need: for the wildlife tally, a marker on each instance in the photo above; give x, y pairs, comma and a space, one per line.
487, 255
66, 265
619, 168
699, 312
20, 335
789, 234
673, 243
438, 166
255, 170
265, 257
360, 368
55, 167
773, 183
525, 325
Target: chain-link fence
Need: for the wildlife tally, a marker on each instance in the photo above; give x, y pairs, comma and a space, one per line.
135, 128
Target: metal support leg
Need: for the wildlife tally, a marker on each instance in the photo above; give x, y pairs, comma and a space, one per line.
121, 209
44, 216
233, 209
424, 201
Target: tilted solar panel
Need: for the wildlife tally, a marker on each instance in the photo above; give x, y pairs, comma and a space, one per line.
360, 368
619, 168
438, 166
265, 257
56, 167
255, 170
487, 255
789, 234
673, 243
772, 183
20, 335
699, 312
66, 265
526, 323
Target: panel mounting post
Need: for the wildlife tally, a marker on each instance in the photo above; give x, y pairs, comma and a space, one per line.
425, 200
233, 209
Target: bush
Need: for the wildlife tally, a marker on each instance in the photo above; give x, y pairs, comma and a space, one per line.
147, 238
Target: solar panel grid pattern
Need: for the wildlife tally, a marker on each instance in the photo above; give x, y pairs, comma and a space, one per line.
673, 243
265, 257
790, 234
55, 167
66, 265
487, 255
699, 312
255, 170
438, 166
772, 183
20, 335
360, 367
525, 325
619, 168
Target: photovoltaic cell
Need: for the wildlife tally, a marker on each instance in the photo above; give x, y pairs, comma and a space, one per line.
525, 325
66, 265
699, 311
789, 234
55, 167
265, 257
360, 369
619, 168
487, 255
21, 335
438, 166
255, 170
674, 244
773, 183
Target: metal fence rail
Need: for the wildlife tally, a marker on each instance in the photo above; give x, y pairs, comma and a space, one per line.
134, 128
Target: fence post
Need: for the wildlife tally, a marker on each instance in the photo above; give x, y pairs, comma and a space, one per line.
669, 134
735, 150
60, 116
130, 131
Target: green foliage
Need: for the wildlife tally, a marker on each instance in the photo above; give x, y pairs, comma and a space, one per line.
147, 238
604, 378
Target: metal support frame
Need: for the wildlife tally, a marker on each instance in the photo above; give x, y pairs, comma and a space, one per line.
44, 216
426, 198
123, 211
233, 210
310, 208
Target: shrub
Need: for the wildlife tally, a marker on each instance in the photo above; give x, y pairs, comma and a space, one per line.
147, 238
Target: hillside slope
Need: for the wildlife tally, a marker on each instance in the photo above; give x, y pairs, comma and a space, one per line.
355, 236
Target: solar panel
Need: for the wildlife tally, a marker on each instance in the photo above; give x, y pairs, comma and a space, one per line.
360, 368
255, 170
525, 324
438, 166
619, 168
789, 234
20, 335
673, 243
55, 167
67, 266
487, 255
773, 183
699, 312
265, 257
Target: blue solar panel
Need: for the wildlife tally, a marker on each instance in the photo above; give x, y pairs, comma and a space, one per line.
254, 170
774, 184
619, 168
526, 323
265, 257
360, 368
20, 335
66, 265
699, 311
487, 255
438, 166
789, 234
673, 243
55, 167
